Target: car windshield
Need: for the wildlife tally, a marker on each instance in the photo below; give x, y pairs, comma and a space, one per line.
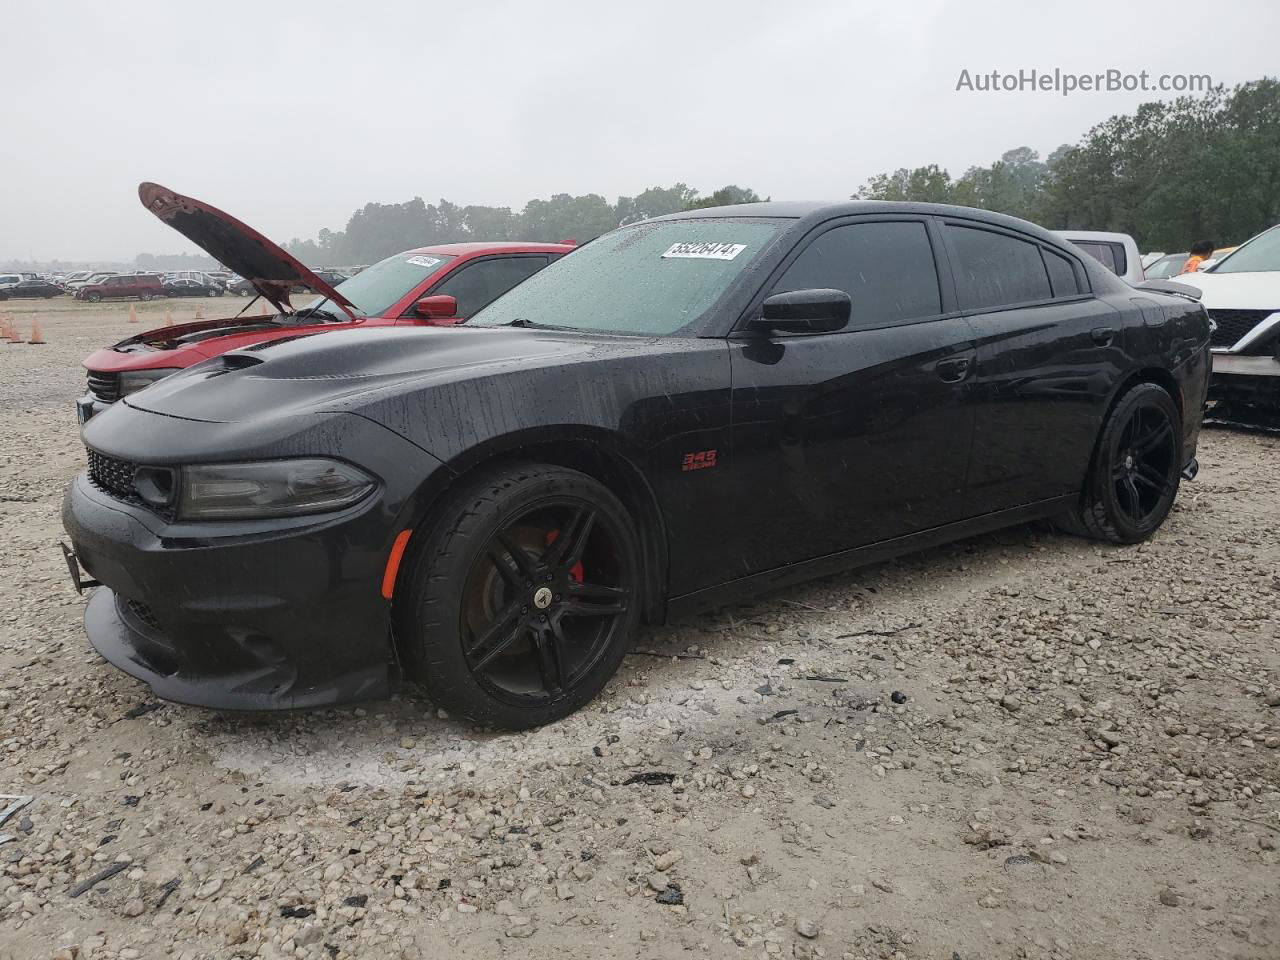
652, 278
1166, 266
373, 290
1259, 254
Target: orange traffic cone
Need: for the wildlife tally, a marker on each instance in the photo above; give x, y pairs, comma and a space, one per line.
4, 328
36, 336
263, 309
200, 312
168, 319
12, 333
133, 314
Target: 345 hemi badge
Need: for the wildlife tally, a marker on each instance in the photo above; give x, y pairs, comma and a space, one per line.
699, 460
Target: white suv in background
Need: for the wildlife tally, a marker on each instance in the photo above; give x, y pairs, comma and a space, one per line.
1242, 294
1118, 252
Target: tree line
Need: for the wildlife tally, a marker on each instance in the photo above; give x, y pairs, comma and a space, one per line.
1170, 173
378, 230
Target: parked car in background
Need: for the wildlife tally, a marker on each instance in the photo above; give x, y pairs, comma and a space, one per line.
1242, 294
180, 287
1169, 265
122, 287
1118, 252
245, 288
97, 277
683, 414
439, 285
30, 289
10, 280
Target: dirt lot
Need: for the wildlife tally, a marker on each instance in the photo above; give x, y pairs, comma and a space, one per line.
1023, 745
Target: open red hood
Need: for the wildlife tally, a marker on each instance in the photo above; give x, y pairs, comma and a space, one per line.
237, 246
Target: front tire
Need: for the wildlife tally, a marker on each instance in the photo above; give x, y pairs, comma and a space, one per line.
1137, 468
520, 599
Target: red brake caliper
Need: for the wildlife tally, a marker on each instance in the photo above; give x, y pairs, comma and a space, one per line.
575, 572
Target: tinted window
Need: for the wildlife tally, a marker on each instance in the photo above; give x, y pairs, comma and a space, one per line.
886, 268
1062, 274
478, 285
994, 269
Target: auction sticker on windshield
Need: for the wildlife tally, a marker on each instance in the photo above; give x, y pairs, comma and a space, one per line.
424, 261
703, 251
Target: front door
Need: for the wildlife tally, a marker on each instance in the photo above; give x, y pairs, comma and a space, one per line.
854, 437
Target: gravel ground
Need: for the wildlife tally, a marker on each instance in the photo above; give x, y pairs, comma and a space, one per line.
1022, 745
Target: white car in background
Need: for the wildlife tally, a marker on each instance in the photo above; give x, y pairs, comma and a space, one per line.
1118, 252
1242, 294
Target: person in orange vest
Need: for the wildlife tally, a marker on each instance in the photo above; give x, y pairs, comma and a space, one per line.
1200, 252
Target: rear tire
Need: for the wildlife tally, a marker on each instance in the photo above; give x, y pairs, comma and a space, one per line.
1136, 470
521, 597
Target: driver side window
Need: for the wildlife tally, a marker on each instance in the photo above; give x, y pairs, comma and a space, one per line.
479, 284
886, 268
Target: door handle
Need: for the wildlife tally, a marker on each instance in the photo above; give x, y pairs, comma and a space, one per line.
1103, 336
953, 369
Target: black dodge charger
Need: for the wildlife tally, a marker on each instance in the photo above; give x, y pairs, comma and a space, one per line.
680, 414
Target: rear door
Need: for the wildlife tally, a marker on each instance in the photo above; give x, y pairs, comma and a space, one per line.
1048, 355
849, 438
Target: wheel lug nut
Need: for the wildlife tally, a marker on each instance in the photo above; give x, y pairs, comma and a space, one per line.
547, 578
524, 609
543, 618
557, 597
528, 583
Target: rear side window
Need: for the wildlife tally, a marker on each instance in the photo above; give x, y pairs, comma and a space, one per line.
995, 269
478, 285
886, 267
1062, 275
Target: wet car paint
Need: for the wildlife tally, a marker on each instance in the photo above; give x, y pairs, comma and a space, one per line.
824, 450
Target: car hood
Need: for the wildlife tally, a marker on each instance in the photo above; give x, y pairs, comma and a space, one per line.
345, 369
1235, 291
236, 246
185, 334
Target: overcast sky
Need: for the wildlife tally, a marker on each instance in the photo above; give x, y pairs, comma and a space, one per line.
292, 115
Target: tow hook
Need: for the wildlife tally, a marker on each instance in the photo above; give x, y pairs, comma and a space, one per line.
1191, 469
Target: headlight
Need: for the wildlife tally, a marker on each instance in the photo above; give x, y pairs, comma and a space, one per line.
275, 488
131, 381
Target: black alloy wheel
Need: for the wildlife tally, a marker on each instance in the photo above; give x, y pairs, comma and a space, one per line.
522, 597
1143, 466
1136, 469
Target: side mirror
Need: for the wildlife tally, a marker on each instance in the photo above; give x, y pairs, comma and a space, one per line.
440, 307
805, 311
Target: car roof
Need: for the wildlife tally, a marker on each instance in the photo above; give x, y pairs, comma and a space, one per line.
480, 246
808, 212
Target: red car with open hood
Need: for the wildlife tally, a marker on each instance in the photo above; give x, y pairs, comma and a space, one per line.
436, 285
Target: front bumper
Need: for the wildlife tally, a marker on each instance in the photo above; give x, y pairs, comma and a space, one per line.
284, 621
1244, 379
247, 615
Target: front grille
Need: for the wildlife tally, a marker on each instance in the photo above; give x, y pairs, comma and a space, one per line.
1234, 324
104, 386
114, 477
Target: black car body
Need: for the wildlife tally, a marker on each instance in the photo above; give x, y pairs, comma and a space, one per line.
31, 290
182, 287
698, 369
